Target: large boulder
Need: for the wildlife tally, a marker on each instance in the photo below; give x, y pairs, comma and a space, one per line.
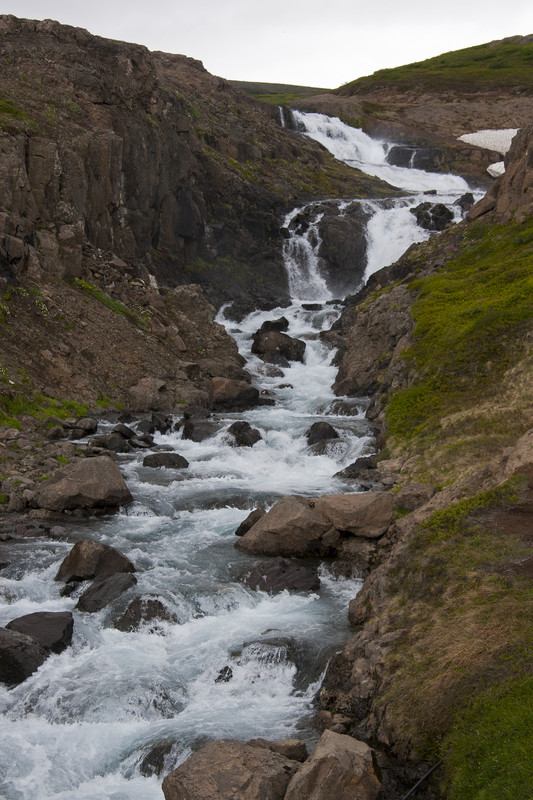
340, 767
432, 216
90, 559
368, 514
90, 483
50, 629
292, 527
230, 770
319, 432
104, 590
231, 395
20, 656
279, 344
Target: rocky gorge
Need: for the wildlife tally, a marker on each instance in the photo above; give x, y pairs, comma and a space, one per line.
94, 308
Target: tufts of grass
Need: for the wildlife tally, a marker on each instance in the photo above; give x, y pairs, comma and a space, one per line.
488, 751
470, 324
18, 403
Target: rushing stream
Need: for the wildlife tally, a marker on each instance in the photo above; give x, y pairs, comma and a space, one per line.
83, 726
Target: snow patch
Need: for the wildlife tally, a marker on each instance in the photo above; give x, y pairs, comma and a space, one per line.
499, 140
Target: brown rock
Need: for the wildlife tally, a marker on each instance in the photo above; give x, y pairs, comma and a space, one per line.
91, 559
340, 767
368, 514
230, 770
231, 395
292, 527
90, 483
253, 517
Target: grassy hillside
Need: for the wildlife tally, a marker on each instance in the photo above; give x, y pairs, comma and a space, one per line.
278, 94
492, 65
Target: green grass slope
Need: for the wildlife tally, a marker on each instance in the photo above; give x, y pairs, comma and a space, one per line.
278, 94
493, 65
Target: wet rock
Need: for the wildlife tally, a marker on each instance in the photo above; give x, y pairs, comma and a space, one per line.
124, 431
225, 675
292, 527
20, 656
89, 483
340, 767
432, 216
92, 559
111, 441
276, 360
465, 202
153, 762
232, 395
230, 770
52, 630
352, 471
143, 610
368, 515
244, 434
253, 517
278, 575
278, 343
281, 325
104, 590
319, 431
169, 460
199, 429
85, 426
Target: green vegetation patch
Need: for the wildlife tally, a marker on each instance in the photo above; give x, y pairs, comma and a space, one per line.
486, 66
465, 610
470, 324
277, 94
10, 109
102, 297
488, 751
17, 403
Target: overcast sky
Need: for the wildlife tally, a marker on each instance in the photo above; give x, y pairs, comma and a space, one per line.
308, 42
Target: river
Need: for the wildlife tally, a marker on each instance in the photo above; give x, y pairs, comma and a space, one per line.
84, 725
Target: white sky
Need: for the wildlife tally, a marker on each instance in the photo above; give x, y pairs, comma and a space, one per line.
308, 42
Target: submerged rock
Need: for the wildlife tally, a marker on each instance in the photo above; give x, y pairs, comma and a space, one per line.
279, 575
104, 590
244, 434
320, 431
142, 610
169, 460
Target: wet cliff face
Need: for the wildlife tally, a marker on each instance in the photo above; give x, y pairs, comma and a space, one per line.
108, 147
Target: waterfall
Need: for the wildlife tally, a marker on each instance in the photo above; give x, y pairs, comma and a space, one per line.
301, 255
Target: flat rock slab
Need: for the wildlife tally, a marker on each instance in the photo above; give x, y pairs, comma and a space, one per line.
104, 590
230, 770
20, 656
91, 559
90, 483
51, 629
340, 768
368, 514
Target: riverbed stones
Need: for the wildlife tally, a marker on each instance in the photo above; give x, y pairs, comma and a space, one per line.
319, 432
227, 394
230, 770
243, 434
340, 767
91, 559
50, 629
168, 460
104, 590
20, 656
90, 483
145, 611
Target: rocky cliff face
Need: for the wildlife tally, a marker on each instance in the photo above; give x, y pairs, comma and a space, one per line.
110, 149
